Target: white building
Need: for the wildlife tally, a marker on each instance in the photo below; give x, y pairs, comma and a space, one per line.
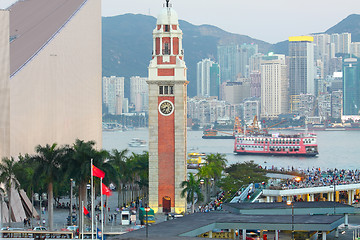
203, 78
113, 94
274, 86
139, 93
342, 42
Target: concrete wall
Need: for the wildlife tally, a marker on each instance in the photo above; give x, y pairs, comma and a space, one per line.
56, 97
4, 85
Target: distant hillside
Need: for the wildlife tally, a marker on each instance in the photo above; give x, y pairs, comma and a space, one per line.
350, 24
127, 45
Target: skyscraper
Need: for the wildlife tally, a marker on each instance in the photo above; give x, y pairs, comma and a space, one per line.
113, 94
351, 90
208, 79
228, 61
274, 86
234, 60
215, 80
301, 65
139, 93
342, 42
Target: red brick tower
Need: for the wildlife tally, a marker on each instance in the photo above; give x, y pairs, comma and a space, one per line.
167, 115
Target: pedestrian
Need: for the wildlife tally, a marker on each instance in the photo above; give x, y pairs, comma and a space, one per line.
43, 221
25, 221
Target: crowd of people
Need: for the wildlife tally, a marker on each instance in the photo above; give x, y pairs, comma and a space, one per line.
316, 177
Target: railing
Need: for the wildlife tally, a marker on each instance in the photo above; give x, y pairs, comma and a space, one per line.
37, 234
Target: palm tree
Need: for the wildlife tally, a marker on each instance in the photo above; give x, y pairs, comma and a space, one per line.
7, 176
49, 160
191, 188
118, 160
79, 165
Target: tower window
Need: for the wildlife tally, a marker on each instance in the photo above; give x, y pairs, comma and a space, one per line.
166, 90
166, 49
167, 28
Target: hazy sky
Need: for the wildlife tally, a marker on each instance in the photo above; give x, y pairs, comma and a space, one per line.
268, 20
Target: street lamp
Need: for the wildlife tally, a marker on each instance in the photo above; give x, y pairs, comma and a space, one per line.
292, 218
147, 209
334, 180
40, 198
202, 184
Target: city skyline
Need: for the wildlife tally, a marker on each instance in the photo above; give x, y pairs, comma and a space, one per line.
246, 18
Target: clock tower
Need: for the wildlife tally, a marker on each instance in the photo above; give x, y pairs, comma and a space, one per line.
167, 115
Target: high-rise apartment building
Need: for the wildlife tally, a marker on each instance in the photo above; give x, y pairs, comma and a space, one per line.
234, 60
342, 42
355, 49
245, 51
274, 86
255, 84
139, 94
301, 65
208, 78
113, 94
351, 89
215, 80
227, 58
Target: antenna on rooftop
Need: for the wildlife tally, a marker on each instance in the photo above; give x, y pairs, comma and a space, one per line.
167, 3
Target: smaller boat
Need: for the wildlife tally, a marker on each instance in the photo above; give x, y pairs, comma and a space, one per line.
136, 142
195, 160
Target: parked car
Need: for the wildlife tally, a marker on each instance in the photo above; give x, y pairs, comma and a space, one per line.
40, 228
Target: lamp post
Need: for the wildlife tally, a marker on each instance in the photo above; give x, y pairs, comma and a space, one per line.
202, 184
292, 218
147, 209
334, 180
71, 196
40, 198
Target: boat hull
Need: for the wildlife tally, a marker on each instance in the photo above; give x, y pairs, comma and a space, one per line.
218, 137
278, 154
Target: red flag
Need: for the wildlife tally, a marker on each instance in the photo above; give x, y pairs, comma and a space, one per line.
97, 172
86, 212
105, 190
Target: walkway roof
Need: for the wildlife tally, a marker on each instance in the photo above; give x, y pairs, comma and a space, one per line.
190, 226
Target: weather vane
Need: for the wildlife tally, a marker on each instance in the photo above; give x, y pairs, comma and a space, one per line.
167, 3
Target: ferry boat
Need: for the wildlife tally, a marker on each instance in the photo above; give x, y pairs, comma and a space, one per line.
136, 142
301, 144
195, 160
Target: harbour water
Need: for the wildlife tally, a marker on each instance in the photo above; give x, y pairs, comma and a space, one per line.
337, 149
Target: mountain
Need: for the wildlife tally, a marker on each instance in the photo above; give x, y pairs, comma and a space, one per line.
350, 24
127, 45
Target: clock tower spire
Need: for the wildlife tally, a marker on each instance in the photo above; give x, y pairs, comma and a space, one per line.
167, 115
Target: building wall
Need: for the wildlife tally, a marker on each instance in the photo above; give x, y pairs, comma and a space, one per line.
351, 90
139, 93
4, 85
56, 97
301, 67
113, 94
274, 85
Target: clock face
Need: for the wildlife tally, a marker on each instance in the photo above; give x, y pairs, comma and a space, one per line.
166, 108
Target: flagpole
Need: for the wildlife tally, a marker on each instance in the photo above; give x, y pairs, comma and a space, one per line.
102, 211
82, 220
92, 201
